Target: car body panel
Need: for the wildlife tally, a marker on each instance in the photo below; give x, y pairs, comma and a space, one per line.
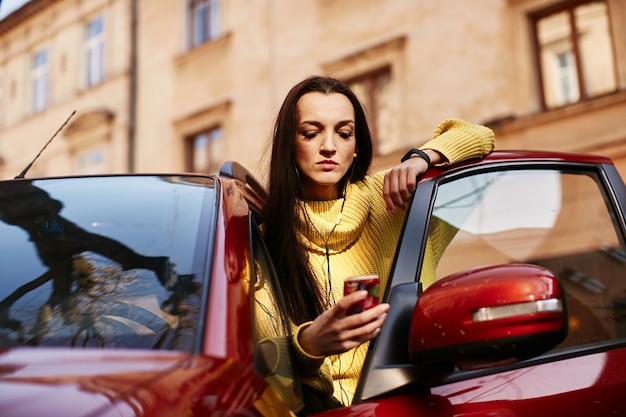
229, 306
590, 385
129, 383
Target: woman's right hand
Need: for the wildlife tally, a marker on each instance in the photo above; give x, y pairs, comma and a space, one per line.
335, 331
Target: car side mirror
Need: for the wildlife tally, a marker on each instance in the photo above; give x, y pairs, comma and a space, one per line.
488, 316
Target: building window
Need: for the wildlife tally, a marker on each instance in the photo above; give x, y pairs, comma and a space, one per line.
374, 90
40, 80
204, 17
204, 151
90, 161
575, 52
94, 51
568, 77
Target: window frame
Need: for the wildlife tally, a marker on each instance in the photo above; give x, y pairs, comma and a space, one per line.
213, 134
610, 185
85, 161
577, 267
573, 37
209, 14
94, 52
40, 80
371, 101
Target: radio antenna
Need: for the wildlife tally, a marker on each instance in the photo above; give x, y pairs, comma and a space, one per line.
23, 173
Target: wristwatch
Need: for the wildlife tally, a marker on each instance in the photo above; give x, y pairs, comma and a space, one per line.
415, 151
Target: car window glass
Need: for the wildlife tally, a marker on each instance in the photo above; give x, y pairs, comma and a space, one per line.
549, 218
103, 261
273, 353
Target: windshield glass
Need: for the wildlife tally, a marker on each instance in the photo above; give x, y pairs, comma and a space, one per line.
104, 261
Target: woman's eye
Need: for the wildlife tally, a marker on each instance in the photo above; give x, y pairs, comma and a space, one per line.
309, 135
345, 135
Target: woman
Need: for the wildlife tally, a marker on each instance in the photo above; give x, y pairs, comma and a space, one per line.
326, 220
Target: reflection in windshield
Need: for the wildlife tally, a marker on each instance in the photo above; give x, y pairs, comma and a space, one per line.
493, 204
484, 203
64, 284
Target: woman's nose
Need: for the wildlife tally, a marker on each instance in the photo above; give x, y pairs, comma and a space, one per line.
328, 144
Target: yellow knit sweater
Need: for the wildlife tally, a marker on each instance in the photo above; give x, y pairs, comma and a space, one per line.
364, 242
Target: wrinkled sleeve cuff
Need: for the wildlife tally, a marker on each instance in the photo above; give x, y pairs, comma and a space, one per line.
315, 371
307, 363
457, 140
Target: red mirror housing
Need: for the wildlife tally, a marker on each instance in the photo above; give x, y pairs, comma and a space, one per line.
488, 315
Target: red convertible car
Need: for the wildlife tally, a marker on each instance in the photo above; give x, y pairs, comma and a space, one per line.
137, 295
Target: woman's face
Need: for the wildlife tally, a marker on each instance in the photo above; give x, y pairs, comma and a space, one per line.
325, 143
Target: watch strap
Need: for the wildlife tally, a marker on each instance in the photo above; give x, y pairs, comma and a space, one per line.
415, 151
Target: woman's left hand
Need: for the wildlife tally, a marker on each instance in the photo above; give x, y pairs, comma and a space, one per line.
401, 181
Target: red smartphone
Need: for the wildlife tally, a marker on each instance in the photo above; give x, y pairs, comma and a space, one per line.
370, 283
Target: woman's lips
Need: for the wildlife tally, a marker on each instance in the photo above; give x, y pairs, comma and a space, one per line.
327, 165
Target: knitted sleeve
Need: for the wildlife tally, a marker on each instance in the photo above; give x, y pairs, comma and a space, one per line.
314, 370
458, 140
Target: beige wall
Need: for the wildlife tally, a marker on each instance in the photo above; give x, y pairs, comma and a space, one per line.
58, 25
270, 45
449, 58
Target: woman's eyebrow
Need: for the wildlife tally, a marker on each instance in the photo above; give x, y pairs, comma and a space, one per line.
345, 122
319, 124
311, 122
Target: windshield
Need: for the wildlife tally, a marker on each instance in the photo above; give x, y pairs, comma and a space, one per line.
104, 261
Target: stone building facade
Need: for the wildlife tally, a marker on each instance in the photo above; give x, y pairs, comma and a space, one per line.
183, 85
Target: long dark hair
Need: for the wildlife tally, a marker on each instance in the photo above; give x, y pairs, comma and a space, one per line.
303, 297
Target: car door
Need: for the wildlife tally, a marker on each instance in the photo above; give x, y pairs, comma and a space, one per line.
566, 217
